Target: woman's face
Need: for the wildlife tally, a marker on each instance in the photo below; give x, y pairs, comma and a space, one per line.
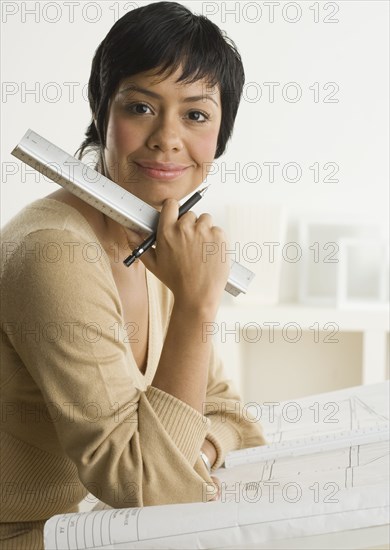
161, 136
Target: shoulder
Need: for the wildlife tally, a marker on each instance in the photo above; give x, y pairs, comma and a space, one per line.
45, 214
47, 234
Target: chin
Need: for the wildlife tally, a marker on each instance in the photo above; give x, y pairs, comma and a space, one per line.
157, 199
152, 201
155, 192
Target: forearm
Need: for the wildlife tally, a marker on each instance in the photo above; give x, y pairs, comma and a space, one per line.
183, 367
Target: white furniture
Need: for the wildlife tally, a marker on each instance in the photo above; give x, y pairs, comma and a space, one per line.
237, 328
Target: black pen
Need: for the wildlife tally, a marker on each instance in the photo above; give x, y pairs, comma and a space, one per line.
137, 252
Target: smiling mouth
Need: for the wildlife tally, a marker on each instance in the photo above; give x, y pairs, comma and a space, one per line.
156, 172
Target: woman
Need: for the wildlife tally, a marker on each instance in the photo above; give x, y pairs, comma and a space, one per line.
108, 383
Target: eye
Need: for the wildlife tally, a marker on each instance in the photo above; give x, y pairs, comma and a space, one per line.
137, 108
198, 116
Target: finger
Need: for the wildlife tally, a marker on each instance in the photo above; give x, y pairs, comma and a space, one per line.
218, 487
216, 480
217, 495
188, 218
168, 215
205, 219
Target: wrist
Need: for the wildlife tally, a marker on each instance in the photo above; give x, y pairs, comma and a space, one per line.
195, 310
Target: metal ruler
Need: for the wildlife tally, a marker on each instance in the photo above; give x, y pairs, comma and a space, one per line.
104, 194
307, 445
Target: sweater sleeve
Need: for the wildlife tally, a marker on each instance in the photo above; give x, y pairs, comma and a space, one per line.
232, 427
130, 447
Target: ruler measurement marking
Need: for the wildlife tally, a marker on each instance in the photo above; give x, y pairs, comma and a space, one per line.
135, 213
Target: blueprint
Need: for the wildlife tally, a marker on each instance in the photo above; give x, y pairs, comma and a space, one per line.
276, 499
347, 411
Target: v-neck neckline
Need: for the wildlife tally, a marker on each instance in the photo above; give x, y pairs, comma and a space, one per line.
150, 329
149, 286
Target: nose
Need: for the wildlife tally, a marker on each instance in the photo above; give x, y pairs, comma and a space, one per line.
165, 136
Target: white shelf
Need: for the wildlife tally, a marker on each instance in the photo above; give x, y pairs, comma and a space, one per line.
372, 322
353, 319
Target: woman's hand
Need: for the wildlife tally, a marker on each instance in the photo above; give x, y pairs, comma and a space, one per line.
211, 452
218, 488
180, 259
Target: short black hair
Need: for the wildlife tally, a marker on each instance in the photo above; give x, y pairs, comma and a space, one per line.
164, 35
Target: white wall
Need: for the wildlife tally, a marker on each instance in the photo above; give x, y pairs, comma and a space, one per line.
44, 50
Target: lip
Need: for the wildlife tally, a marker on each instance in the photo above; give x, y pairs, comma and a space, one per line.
161, 170
169, 166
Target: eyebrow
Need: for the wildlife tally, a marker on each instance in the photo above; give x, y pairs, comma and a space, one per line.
135, 88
